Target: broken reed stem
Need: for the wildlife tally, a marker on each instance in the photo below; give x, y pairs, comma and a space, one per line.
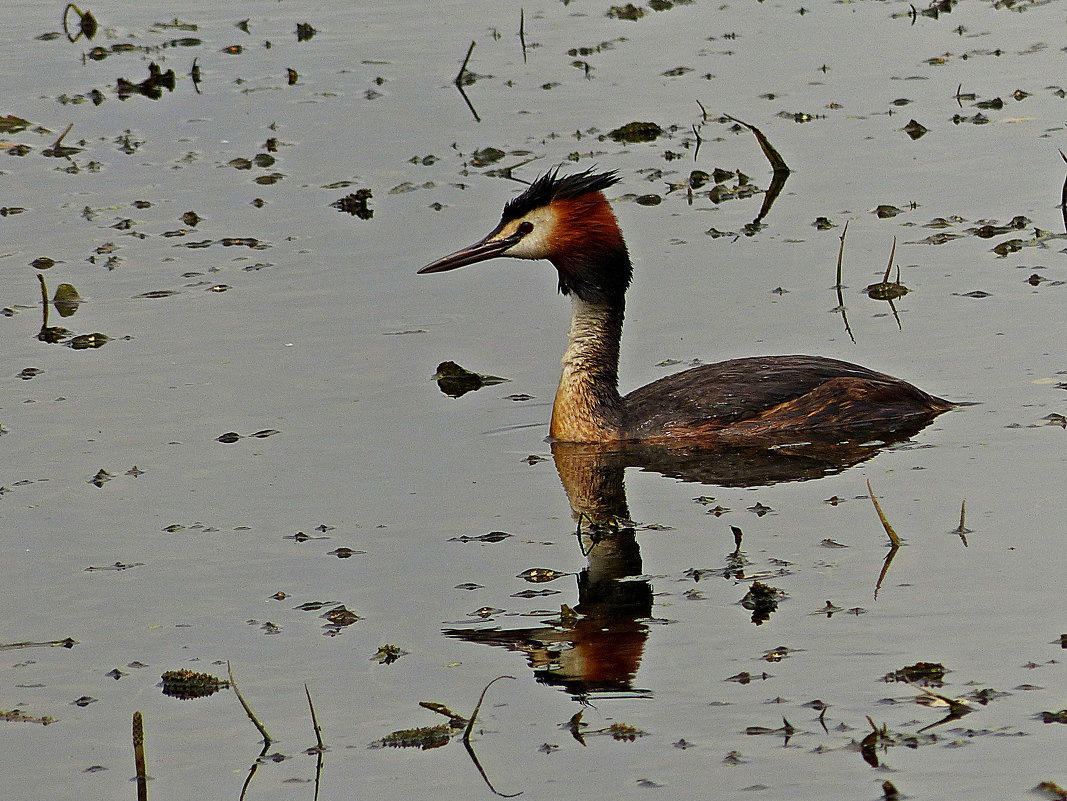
463, 69
778, 164
893, 536
1063, 195
138, 757
59, 141
522, 33
474, 714
840, 263
314, 720
889, 267
267, 739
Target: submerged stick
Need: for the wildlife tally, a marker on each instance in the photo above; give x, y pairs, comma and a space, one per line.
267, 739
138, 757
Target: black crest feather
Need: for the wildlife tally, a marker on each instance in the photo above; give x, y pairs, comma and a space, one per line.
550, 186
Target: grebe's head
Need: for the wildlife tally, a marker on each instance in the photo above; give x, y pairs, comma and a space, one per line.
567, 221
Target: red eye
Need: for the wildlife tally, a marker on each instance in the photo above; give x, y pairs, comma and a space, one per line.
525, 227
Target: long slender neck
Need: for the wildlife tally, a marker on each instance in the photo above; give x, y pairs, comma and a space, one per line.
588, 407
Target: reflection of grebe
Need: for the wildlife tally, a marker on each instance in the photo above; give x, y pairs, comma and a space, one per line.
569, 222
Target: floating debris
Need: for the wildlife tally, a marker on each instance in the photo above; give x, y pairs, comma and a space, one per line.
635, 132
537, 575
387, 654
18, 716
151, 87
456, 381
355, 204
929, 674
186, 684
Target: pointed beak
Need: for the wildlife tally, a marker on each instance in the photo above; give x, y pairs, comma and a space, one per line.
488, 248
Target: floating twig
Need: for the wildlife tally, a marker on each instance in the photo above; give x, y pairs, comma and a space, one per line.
267, 739
138, 757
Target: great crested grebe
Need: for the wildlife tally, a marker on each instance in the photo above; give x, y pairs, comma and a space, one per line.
568, 221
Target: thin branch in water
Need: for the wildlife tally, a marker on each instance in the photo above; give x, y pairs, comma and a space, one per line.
248, 710
696, 133
703, 111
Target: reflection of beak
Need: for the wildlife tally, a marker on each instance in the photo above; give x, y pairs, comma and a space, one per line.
488, 248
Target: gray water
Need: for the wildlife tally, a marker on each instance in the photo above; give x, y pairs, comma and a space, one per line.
291, 317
